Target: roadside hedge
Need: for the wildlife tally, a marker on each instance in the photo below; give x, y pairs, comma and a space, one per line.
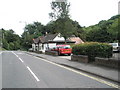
93, 49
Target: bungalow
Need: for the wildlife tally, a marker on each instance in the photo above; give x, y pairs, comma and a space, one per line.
43, 43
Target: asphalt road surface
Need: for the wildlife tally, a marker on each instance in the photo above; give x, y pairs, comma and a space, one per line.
20, 70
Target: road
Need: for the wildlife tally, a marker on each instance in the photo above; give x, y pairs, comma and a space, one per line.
20, 70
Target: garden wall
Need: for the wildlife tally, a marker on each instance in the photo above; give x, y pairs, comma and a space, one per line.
49, 52
107, 62
80, 58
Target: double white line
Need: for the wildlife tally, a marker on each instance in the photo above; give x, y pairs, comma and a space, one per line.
27, 67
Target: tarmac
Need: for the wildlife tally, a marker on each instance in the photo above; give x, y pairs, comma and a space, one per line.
101, 71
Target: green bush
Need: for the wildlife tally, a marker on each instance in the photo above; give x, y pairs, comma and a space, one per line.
93, 49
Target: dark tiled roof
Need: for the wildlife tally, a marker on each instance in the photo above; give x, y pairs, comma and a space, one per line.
50, 37
36, 40
43, 39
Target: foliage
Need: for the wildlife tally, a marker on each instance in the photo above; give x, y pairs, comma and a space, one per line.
5, 44
100, 35
11, 46
104, 31
10, 40
65, 27
34, 29
59, 10
31, 31
2, 49
93, 49
63, 23
50, 28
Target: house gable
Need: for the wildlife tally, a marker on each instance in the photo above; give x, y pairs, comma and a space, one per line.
59, 38
76, 39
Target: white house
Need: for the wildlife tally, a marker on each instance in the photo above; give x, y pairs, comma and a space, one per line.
43, 43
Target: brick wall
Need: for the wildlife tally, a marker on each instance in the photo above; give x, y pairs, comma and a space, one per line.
80, 58
107, 62
54, 53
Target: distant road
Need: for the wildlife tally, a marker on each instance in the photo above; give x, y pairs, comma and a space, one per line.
20, 70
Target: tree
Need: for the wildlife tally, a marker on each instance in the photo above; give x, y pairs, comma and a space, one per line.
104, 31
11, 46
16, 45
27, 40
10, 40
65, 27
114, 28
59, 10
50, 28
100, 35
63, 23
78, 30
5, 44
31, 31
36, 28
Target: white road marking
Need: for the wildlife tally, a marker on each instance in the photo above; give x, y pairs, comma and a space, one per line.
33, 74
78, 72
21, 60
18, 57
27, 67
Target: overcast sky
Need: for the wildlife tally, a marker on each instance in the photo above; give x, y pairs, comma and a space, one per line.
14, 14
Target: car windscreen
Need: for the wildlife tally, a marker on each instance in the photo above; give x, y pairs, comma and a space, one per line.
114, 44
65, 47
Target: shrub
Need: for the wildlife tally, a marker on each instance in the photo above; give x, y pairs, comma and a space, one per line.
93, 49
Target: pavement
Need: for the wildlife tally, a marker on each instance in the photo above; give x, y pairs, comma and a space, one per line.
101, 71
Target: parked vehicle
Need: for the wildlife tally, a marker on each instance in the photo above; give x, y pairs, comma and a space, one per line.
63, 49
116, 47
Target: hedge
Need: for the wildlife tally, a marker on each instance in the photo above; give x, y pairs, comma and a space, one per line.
93, 49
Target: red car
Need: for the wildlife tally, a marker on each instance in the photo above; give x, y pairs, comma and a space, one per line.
63, 49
